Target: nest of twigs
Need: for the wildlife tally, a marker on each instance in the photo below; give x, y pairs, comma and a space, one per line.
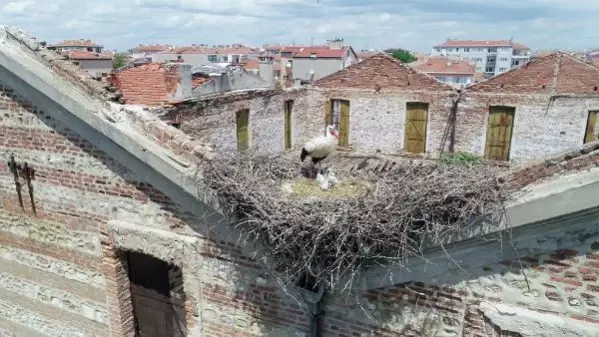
332, 240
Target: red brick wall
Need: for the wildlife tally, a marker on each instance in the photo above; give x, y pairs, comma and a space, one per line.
78, 188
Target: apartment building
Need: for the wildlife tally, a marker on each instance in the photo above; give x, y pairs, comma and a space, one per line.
491, 57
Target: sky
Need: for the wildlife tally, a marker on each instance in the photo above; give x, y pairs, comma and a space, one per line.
416, 25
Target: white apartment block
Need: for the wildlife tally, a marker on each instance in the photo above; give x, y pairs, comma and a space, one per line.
491, 57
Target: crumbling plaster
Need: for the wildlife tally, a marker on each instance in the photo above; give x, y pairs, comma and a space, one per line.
530, 323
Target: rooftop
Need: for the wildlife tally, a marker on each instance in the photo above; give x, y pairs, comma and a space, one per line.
444, 65
149, 48
87, 55
383, 71
209, 50
483, 43
76, 43
320, 52
556, 73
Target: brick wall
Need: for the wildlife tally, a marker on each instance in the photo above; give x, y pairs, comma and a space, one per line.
61, 272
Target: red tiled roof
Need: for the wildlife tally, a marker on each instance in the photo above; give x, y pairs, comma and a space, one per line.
76, 43
320, 52
384, 71
557, 73
86, 55
251, 65
148, 84
482, 43
295, 49
444, 65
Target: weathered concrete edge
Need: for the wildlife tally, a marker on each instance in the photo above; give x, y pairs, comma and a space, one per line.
526, 221
65, 102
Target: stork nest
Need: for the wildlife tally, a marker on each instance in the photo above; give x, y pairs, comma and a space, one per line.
332, 240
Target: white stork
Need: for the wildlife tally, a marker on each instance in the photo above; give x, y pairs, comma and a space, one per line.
318, 148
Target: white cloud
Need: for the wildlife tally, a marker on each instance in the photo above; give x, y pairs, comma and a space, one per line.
412, 24
17, 7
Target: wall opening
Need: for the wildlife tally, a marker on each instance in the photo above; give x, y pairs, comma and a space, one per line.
288, 108
337, 114
243, 136
592, 129
415, 127
499, 133
157, 296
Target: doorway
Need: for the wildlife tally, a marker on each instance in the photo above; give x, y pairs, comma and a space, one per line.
157, 296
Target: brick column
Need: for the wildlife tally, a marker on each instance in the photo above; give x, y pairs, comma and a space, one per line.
118, 294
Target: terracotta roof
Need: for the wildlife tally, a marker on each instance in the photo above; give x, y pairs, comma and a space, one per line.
382, 70
148, 48
295, 49
251, 65
320, 52
444, 65
482, 43
147, 84
76, 43
557, 73
86, 55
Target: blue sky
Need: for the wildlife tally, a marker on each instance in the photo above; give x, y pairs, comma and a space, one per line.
412, 24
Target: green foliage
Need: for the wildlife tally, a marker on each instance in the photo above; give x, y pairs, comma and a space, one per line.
118, 60
404, 56
460, 159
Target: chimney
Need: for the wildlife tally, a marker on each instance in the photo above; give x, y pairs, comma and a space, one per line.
178, 81
267, 72
449, 63
335, 43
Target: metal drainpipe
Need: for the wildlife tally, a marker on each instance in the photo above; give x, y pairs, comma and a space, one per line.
317, 314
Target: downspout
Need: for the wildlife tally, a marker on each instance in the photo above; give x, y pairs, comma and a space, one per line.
317, 313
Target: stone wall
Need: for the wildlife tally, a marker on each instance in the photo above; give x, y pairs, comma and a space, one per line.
542, 126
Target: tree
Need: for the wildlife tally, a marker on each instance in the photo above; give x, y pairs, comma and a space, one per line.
404, 56
118, 60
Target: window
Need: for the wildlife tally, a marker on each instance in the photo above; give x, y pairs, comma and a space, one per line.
489, 70
225, 58
288, 107
499, 133
212, 58
492, 50
440, 78
502, 70
415, 127
466, 50
337, 114
503, 59
438, 50
491, 59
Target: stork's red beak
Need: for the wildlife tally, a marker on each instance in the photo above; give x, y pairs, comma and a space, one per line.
334, 133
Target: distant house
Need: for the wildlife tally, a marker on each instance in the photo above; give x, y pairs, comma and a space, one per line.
491, 57
81, 44
89, 55
456, 73
364, 54
198, 55
96, 64
146, 51
312, 63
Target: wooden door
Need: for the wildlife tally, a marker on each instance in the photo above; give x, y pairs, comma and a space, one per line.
592, 130
344, 123
156, 313
243, 136
288, 108
415, 129
499, 133
337, 114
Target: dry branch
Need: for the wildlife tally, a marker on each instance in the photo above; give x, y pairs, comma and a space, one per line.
335, 239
